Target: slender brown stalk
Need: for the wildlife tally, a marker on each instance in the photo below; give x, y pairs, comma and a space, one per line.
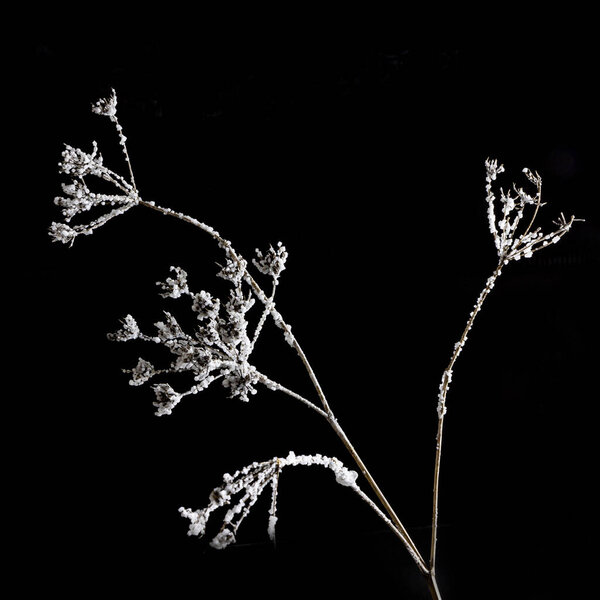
433, 586
446, 378
408, 542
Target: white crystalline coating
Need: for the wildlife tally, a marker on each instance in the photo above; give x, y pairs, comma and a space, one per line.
233, 270
223, 539
240, 491
271, 527
346, 477
504, 228
174, 287
205, 305
272, 262
128, 331
106, 106
166, 399
197, 518
79, 199
141, 373
240, 382
220, 347
79, 164
60, 232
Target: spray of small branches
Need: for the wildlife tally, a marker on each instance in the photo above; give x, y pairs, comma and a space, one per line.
220, 347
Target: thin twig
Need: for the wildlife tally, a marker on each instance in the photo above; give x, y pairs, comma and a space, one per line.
442, 411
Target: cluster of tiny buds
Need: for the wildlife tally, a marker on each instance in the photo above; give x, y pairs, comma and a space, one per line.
272, 262
78, 198
220, 348
504, 228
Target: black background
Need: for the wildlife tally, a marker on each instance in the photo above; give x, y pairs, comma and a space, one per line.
366, 160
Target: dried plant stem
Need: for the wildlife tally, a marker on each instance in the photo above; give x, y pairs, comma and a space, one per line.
433, 586
228, 353
326, 412
442, 411
400, 529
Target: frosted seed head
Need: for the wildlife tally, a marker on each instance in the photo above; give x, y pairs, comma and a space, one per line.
141, 373
106, 106
272, 262
166, 399
128, 331
174, 287
60, 232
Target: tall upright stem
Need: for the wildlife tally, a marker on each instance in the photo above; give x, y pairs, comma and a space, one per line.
446, 378
403, 534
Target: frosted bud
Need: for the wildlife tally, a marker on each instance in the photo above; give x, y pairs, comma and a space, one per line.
233, 270
272, 262
106, 106
129, 331
174, 287
141, 372
197, 518
166, 399
493, 169
59, 232
205, 305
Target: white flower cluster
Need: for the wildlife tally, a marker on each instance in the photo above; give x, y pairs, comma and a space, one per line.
220, 347
511, 245
272, 262
240, 491
106, 106
174, 288
78, 198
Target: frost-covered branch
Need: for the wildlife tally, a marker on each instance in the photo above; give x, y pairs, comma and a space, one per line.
221, 346
218, 349
241, 490
511, 245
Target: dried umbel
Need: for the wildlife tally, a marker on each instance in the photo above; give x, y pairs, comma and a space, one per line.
510, 243
241, 490
220, 346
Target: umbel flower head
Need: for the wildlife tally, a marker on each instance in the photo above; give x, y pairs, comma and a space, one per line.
218, 349
511, 243
81, 166
106, 106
